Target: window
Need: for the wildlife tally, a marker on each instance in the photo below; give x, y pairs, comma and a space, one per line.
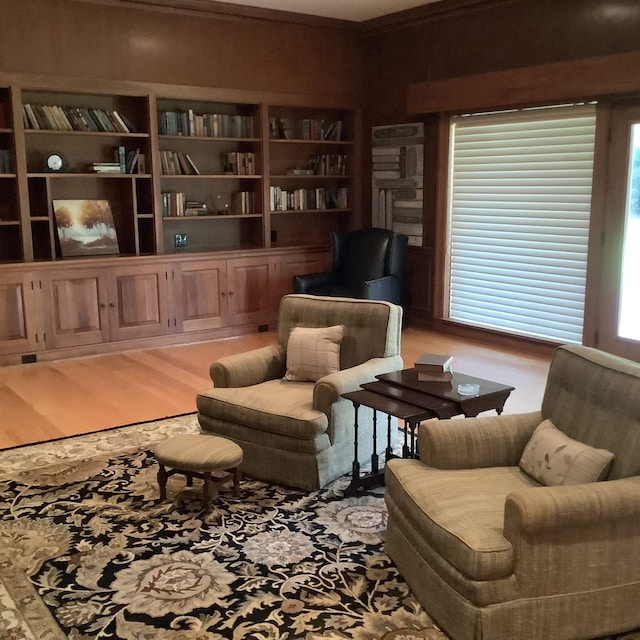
519, 207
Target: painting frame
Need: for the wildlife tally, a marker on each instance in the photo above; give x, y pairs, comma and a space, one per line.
85, 227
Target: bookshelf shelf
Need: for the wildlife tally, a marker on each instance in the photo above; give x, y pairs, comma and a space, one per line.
214, 217
211, 176
206, 139
80, 134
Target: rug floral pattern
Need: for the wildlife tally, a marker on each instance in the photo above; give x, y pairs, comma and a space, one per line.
89, 552
110, 561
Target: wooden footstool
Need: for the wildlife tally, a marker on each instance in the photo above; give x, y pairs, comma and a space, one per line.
198, 456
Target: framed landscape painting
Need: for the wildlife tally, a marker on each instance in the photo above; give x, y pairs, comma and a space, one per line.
85, 227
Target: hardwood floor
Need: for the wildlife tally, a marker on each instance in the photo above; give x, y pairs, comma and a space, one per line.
48, 400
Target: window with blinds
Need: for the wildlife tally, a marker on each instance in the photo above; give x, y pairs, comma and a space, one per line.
519, 206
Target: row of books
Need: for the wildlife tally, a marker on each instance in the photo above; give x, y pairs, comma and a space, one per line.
57, 118
240, 163
5, 161
305, 129
304, 199
207, 125
176, 163
130, 161
329, 164
175, 204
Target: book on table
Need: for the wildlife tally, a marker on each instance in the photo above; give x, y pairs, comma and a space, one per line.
434, 367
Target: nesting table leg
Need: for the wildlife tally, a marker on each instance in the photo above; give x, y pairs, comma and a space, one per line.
162, 482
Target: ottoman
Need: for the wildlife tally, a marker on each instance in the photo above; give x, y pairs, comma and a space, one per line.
199, 456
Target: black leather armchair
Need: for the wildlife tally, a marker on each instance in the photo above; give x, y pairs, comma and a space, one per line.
366, 264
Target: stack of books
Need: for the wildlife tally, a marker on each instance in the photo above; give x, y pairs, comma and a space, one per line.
434, 367
106, 167
195, 208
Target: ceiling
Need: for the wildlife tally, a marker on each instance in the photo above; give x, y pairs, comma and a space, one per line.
353, 10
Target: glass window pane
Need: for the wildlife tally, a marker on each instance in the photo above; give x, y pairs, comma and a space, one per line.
629, 312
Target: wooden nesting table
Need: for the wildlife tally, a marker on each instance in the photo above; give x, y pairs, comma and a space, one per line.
401, 395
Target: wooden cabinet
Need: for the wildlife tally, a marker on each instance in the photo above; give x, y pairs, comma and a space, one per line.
20, 330
98, 305
289, 265
198, 288
217, 266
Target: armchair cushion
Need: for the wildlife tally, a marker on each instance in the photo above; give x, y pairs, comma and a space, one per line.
313, 353
554, 459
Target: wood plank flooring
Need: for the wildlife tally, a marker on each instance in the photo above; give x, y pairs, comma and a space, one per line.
48, 400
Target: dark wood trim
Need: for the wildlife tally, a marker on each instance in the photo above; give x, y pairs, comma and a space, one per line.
486, 336
426, 13
584, 79
441, 274
226, 10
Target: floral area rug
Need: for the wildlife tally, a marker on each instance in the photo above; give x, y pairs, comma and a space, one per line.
89, 552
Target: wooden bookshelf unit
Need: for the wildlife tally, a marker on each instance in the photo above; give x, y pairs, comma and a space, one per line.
190, 175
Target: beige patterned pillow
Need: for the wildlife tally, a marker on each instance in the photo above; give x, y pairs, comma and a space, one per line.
555, 459
313, 353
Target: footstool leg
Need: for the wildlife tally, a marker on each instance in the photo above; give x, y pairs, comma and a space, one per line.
209, 491
162, 482
237, 476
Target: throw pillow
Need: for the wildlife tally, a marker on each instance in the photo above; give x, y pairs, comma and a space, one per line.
553, 458
313, 353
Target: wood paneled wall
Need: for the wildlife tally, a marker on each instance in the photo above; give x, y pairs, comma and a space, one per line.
120, 41
457, 38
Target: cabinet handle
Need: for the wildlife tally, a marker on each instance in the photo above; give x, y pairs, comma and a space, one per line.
223, 293
103, 305
112, 304
230, 293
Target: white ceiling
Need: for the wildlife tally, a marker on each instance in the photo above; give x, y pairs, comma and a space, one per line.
354, 10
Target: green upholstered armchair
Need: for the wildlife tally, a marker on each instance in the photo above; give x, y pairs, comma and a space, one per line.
491, 552
301, 433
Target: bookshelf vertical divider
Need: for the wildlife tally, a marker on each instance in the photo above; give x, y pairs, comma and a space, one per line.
155, 170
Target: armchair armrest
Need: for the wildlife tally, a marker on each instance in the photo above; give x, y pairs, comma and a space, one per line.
573, 539
251, 367
306, 283
328, 390
469, 443
536, 509
387, 288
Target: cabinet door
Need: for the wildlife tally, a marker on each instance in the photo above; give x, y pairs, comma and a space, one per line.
76, 307
289, 265
248, 282
138, 302
198, 298
18, 315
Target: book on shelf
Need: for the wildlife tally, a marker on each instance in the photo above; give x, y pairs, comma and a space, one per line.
434, 367
195, 208
173, 204
58, 118
205, 125
239, 163
176, 163
5, 161
242, 202
120, 156
106, 167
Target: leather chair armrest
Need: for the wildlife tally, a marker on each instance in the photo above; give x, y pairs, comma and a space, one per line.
470, 443
387, 288
306, 283
251, 367
329, 389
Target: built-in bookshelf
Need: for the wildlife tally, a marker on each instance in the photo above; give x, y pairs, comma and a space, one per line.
311, 157
10, 237
211, 174
224, 175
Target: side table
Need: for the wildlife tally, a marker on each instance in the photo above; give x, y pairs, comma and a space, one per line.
401, 395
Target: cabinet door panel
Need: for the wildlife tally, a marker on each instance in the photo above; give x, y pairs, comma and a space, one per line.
288, 266
138, 303
248, 281
199, 302
17, 333
76, 308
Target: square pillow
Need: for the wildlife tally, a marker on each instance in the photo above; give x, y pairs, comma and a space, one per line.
313, 353
553, 458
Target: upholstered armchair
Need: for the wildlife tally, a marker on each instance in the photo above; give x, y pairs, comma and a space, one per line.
287, 414
502, 529
367, 264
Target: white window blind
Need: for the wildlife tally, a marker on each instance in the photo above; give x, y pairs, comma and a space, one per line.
519, 206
